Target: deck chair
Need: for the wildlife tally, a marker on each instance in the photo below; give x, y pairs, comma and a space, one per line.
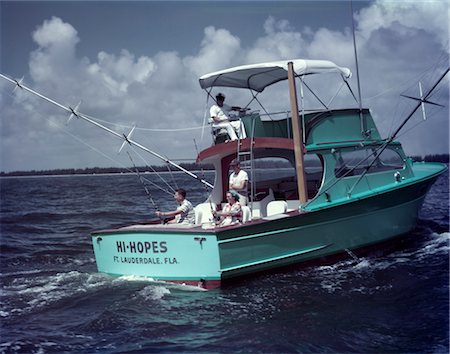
203, 213
276, 207
246, 214
219, 135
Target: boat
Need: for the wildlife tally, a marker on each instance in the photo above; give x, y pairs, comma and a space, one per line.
339, 187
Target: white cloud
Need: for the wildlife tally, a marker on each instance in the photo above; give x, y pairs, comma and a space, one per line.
430, 16
397, 42
333, 45
281, 41
55, 32
219, 48
123, 69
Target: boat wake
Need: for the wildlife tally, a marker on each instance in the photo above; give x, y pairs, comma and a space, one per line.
159, 283
26, 295
375, 274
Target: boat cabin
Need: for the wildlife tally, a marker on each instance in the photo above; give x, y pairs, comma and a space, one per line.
334, 145
343, 154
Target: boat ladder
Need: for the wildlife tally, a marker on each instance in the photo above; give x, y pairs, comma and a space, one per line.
246, 159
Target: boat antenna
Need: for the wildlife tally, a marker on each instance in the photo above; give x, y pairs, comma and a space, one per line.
125, 138
363, 129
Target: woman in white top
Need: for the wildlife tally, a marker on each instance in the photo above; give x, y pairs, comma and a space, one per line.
232, 212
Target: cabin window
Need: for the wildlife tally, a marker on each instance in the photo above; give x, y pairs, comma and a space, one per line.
354, 163
278, 174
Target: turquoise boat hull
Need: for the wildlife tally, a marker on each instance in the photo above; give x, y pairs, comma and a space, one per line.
207, 256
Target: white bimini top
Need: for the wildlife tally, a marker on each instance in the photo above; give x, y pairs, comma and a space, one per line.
258, 76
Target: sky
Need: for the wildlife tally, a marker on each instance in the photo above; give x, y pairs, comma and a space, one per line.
138, 63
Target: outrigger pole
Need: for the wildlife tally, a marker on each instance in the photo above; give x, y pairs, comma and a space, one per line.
126, 138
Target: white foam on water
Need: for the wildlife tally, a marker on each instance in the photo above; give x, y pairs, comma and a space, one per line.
362, 264
153, 292
22, 272
439, 243
33, 293
186, 287
133, 278
167, 284
334, 277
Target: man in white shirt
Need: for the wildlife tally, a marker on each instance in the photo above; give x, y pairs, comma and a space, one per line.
184, 214
221, 119
239, 181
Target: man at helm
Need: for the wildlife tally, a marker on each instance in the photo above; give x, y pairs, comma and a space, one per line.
220, 118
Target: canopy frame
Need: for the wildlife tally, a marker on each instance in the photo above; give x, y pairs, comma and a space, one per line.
259, 76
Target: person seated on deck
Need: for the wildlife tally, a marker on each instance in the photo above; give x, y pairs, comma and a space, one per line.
231, 212
184, 214
220, 118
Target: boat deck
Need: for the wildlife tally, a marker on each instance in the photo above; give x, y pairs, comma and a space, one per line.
193, 228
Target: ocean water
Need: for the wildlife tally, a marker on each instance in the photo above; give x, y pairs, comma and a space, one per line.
53, 300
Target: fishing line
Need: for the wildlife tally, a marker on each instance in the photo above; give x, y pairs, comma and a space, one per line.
429, 115
434, 67
143, 183
173, 178
60, 127
118, 125
75, 113
377, 153
156, 172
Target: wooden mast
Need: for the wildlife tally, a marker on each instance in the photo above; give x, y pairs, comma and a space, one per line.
297, 135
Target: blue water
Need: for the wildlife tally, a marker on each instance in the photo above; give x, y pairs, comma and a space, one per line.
54, 301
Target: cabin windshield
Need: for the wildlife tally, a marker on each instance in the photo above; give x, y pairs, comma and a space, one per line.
354, 163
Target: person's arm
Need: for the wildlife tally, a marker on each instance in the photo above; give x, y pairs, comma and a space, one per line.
169, 213
213, 112
236, 209
230, 211
216, 119
224, 212
241, 184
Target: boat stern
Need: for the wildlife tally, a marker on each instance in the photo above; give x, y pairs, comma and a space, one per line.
160, 253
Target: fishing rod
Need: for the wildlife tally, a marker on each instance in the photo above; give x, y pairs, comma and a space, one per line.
141, 179
126, 138
143, 183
